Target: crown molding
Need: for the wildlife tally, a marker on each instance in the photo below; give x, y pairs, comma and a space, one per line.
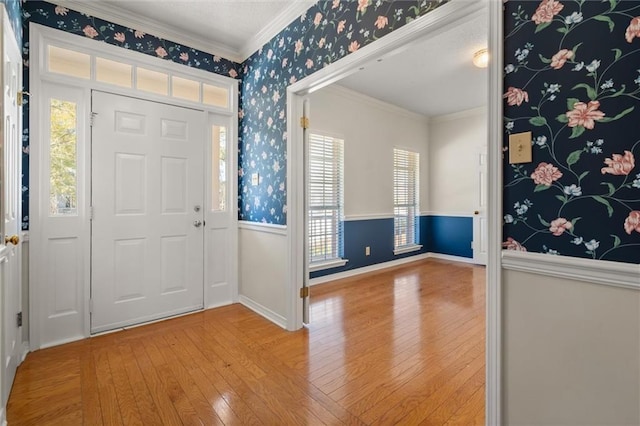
286, 17
111, 13
459, 115
345, 92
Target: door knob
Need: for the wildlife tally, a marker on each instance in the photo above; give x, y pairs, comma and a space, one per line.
476, 212
197, 223
14, 239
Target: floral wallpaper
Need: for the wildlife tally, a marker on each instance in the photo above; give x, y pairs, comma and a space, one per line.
15, 16
327, 32
62, 18
572, 77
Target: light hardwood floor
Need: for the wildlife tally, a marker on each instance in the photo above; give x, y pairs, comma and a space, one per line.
402, 346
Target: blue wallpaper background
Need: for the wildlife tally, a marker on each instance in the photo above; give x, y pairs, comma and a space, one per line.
14, 11
572, 76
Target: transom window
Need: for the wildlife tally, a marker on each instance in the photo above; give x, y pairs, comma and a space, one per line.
405, 199
325, 192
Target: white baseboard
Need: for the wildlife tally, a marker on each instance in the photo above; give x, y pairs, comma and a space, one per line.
263, 311
385, 265
24, 351
450, 257
3, 416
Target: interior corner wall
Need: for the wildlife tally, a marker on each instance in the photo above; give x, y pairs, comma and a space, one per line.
571, 352
454, 143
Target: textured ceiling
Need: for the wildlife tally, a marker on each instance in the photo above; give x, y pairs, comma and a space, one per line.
432, 77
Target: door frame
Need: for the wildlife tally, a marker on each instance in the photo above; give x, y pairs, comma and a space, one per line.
40, 38
455, 11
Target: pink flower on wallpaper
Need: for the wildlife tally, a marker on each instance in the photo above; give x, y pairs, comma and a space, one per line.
285, 61
632, 222
546, 11
119, 37
276, 96
309, 64
516, 96
585, 115
269, 54
216, 58
184, 56
353, 46
233, 73
546, 174
512, 244
62, 11
89, 31
340, 27
558, 60
298, 46
362, 5
161, 52
381, 22
560, 225
335, 4
619, 165
321, 42
269, 122
633, 30
318, 19
139, 34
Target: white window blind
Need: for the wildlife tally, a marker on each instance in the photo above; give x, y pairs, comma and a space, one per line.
325, 192
405, 197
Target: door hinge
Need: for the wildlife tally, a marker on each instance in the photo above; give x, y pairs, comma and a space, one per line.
90, 212
304, 122
19, 319
304, 292
21, 96
92, 118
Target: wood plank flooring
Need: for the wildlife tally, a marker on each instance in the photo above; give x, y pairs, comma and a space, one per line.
402, 346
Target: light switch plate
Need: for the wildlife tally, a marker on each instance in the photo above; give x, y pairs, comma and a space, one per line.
520, 148
255, 179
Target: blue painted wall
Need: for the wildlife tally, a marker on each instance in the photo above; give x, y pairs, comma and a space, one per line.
437, 234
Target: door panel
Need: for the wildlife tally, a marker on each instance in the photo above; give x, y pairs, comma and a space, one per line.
147, 239
10, 249
480, 244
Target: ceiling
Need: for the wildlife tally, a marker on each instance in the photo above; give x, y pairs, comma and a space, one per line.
430, 77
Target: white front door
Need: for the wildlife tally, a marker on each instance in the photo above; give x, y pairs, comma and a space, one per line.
147, 258
10, 253
480, 243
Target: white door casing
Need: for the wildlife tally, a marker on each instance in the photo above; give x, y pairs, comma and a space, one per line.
147, 259
10, 249
480, 242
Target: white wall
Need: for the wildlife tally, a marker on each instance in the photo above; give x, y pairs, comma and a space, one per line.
262, 254
454, 141
371, 129
571, 352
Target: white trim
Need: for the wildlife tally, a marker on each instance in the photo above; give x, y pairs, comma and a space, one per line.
269, 228
3, 416
458, 115
25, 237
327, 264
263, 311
603, 272
266, 34
368, 216
366, 269
344, 92
24, 351
493, 383
406, 249
113, 14
451, 258
449, 214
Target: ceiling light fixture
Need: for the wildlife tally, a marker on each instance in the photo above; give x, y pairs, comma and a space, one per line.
481, 58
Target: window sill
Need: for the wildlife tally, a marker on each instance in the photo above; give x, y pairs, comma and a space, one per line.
407, 249
327, 264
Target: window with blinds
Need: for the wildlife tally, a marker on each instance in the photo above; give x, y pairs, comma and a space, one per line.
325, 192
405, 197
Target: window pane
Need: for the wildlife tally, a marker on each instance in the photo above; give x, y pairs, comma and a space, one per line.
218, 168
69, 62
113, 72
405, 197
216, 96
152, 81
185, 89
63, 164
